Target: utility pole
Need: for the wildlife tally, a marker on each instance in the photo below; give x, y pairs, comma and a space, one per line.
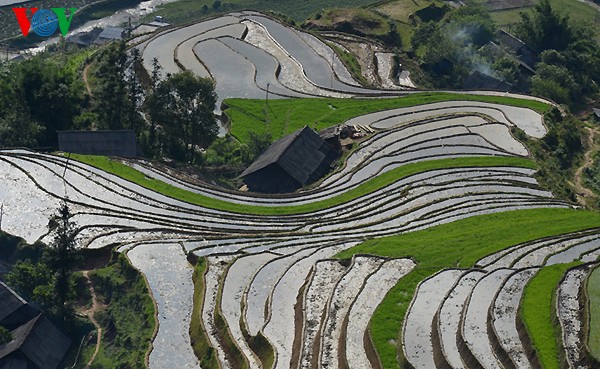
1, 214
65, 173
267, 99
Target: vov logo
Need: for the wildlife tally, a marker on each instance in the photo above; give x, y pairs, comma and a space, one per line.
44, 22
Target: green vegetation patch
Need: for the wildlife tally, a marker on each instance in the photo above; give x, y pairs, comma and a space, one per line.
356, 20
577, 10
129, 320
593, 287
189, 10
288, 115
539, 315
458, 244
202, 348
372, 185
5, 336
350, 62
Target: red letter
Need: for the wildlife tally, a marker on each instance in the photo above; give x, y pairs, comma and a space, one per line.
24, 22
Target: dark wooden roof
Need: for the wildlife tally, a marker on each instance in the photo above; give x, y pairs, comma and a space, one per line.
481, 81
10, 302
107, 143
298, 154
39, 341
521, 50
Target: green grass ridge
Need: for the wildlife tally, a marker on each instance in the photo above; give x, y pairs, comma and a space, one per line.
288, 115
539, 315
459, 244
381, 181
200, 344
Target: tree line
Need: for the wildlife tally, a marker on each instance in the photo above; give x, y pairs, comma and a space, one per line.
172, 115
567, 69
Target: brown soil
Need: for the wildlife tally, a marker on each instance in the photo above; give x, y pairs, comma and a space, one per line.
298, 327
96, 306
584, 194
85, 79
370, 350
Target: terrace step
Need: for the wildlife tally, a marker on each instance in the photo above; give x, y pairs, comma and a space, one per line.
449, 318
474, 327
570, 308
357, 340
417, 331
344, 294
326, 274
504, 317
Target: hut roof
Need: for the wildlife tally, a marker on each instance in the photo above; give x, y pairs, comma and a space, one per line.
597, 112
477, 80
10, 302
297, 153
40, 342
112, 33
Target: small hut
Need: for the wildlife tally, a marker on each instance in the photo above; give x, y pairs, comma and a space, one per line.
36, 343
288, 164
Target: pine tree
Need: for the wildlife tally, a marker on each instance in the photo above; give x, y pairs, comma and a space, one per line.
62, 258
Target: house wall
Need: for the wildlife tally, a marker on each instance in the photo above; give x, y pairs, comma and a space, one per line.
271, 179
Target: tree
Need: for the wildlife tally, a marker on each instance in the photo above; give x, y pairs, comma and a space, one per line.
183, 105
19, 129
110, 99
5, 336
257, 144
545, 28
38, 97
471, 24
26, 275
555, 82
62, 258
135, 91
508, 69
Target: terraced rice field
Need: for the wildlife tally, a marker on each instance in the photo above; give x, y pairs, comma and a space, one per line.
248, 54
416, 252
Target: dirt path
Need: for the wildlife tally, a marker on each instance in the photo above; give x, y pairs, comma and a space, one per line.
85, 79
90, 314
583, 193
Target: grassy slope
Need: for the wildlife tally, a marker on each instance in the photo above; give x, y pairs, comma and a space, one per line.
350, 62
593, 286
286, 116
362, 20
400, 10
457, 244
577, 10
376, 183
186, 10
128, 321
202, 348
538, 313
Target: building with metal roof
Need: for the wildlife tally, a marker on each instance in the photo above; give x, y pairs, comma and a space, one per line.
107, 143
290, 163
111, 34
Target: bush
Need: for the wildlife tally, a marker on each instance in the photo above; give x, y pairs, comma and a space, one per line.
5, 335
